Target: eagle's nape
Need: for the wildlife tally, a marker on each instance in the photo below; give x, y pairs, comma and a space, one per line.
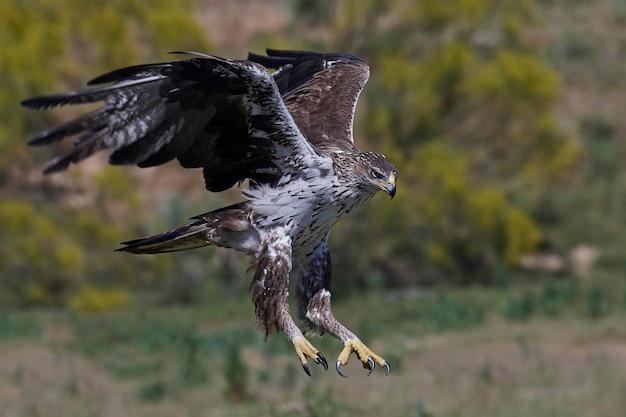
288, 133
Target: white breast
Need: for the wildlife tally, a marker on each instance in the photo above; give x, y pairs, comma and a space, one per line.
306, 208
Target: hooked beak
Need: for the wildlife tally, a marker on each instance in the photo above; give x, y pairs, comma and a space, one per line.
390, 188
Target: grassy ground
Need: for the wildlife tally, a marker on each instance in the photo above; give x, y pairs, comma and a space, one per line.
551, 349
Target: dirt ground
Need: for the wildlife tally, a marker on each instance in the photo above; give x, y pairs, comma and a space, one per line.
560, 367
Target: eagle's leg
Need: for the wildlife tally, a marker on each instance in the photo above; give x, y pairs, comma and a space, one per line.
319, 313
270, 288
313, 295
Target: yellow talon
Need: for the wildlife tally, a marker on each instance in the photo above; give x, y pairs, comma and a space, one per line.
365, 355
304, 348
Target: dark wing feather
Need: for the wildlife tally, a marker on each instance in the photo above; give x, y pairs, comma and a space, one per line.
224, 116
320, 90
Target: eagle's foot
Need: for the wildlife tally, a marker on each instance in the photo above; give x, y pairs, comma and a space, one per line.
304, 348
365, 355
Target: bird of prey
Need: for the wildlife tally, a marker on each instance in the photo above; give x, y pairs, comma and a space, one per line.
285, 137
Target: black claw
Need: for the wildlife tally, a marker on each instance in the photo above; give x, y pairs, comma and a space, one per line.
388, 367
305, 366
338, 368
371, 365
321, 360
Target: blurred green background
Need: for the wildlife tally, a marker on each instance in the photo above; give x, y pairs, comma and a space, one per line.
494, 283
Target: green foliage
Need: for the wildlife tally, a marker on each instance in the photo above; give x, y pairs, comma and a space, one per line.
153, 391
55, 254
597, 304
465, 108
421, 410
134, 368
519, 307
191, 368
513, 79
12, 327
90, 298
443, 225
52, 259
601, 147
42, 268
557, 296
236, 375
320, 404
459, 99
114, 185
449, 313
624, 291
75, 40
28, 44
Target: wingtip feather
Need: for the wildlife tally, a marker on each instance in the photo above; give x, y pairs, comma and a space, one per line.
130, 249
57, 165
42, 102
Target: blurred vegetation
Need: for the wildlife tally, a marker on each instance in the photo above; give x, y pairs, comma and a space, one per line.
236, 375
194, 358
465, 108
62, 44
58, 255
462, 97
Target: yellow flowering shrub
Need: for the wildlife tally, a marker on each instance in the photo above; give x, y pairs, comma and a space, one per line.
90, 298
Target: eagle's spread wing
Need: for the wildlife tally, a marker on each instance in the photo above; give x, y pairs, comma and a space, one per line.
320, 90
224, 116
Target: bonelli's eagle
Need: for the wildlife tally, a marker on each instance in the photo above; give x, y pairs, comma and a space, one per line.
289, 134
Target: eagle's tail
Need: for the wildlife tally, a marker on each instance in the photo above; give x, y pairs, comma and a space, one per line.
191, 236
227, 227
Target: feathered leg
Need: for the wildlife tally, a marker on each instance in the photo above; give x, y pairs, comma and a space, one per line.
313, 295
270, 288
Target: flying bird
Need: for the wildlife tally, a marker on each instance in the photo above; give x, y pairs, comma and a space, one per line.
284, 136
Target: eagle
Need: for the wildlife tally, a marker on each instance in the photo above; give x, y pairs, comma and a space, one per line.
278, 125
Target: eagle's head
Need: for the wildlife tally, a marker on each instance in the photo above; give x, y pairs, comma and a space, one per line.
376, 173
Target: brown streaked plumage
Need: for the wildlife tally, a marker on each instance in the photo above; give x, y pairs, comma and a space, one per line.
288, 133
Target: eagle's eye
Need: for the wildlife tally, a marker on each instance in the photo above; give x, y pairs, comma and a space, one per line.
376, 174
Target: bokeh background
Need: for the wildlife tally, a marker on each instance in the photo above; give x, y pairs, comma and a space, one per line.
494, 283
